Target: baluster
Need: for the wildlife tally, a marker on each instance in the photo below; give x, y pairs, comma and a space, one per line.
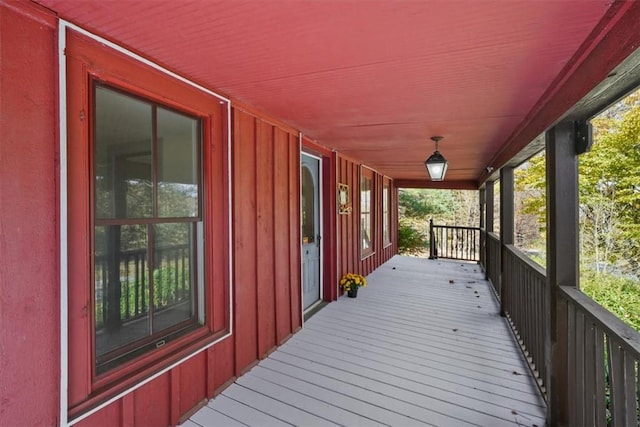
127, 292
579, 366
176, 282
143, 284
137, 288
599, 378
183, 281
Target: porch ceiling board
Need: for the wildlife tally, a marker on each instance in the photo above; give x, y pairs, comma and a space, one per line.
411, 349
358, 76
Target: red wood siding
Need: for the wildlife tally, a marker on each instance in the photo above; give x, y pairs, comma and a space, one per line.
266, 280
29, 266
266, 229
265, 200
349, 252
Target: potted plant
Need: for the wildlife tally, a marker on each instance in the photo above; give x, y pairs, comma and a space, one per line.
350, 283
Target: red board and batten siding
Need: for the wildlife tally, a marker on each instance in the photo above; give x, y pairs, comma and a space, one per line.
266, 235
29, 255
266, 279
265, 200
350, 259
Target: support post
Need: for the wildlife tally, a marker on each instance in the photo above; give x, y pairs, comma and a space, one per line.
562, 263
506, 231
433, 251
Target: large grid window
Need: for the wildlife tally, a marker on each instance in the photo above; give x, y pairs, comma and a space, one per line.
148, 222
366, 217
386, 217
147, 226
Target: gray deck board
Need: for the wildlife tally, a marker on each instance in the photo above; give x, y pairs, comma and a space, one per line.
423, 344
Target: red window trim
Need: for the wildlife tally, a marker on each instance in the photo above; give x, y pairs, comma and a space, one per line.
370, 174
386, 183
87, 60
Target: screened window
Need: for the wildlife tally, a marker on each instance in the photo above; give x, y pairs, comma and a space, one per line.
386, 217
366, 187
147, 226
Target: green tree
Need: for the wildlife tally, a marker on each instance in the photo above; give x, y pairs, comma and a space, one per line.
419, 204
446, 207
609, 210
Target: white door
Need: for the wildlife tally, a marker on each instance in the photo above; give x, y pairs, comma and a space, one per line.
311, 236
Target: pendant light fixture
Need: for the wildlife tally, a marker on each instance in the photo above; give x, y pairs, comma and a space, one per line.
436, 164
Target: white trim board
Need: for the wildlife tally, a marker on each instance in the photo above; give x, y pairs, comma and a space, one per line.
63, 217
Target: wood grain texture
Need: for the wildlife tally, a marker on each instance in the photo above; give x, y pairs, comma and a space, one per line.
411, 349
266, 230
350, 257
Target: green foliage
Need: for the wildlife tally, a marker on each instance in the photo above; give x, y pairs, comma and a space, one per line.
415, 203
166, 285
531, 180
620, 295
167, 291
609, 189
410, 240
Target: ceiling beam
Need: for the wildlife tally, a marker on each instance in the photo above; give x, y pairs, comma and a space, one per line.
442, 185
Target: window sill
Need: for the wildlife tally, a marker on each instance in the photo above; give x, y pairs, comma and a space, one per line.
367, 255
134, 375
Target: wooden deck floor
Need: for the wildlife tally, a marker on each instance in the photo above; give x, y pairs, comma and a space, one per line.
422, 344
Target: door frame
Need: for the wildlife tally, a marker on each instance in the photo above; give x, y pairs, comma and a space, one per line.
321, 215
328, 217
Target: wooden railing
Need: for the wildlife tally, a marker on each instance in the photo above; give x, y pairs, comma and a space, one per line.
526, 306
171, 278
493, 261
452, 242
602, 358
600, 355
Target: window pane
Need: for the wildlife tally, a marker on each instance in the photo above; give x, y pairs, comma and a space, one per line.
178, 178
173, 275
308, 209
365, 212
121, 274
122, 156
386, 224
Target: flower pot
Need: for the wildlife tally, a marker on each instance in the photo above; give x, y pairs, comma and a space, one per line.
352, 293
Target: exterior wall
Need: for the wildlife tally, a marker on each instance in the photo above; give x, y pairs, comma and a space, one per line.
267, 305
349, 253
266, 234
266, 230
29, 272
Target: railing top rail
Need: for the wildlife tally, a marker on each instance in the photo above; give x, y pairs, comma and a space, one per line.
493, 236
628, 337
456, 227
537, 268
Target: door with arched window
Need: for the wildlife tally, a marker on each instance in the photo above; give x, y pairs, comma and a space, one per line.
311, 230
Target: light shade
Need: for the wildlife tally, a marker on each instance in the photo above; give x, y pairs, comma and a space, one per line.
436, 164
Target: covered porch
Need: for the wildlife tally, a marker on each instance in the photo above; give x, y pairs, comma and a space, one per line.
422, 344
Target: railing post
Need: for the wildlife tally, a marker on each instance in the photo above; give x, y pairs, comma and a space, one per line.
506, 231
562, 265
433, 252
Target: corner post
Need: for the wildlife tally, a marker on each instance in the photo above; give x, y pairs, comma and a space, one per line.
506, 231
562, 264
